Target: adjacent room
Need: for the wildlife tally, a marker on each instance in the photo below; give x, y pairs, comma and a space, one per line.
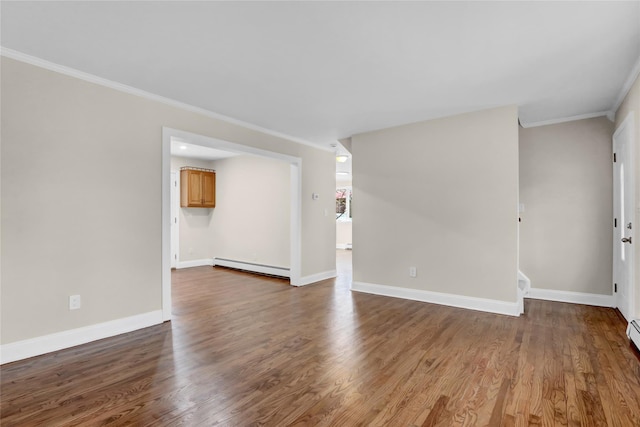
247, 223
178, 239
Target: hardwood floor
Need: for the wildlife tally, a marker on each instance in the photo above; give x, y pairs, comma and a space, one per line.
250, 350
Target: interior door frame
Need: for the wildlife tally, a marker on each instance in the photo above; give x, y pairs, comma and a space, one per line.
295, 230
628, 122
174, 222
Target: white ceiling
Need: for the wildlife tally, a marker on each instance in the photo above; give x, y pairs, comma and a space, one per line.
320, 71
184, 149
343, 170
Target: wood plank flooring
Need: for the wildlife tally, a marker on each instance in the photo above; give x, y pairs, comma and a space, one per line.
247, 350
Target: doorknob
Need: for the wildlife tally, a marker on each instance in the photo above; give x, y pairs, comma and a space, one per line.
626, 240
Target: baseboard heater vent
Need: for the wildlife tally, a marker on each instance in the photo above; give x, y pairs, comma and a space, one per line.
268, 270
633, 332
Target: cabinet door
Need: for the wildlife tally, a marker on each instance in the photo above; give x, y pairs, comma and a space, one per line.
209, 189
190, 189
195, 188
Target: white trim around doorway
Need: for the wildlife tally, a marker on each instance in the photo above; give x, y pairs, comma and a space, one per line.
296, 202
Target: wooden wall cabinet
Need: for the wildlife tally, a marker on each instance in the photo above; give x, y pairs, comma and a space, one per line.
197, 188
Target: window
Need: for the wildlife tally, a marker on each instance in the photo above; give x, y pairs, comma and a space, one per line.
343, 204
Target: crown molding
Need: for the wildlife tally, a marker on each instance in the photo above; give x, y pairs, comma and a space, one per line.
633, 75
62, 69
566, 119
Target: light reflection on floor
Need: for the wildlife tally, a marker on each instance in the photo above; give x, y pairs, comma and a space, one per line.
343, 324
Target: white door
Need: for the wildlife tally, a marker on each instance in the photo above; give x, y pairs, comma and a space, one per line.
175, 199
624, 224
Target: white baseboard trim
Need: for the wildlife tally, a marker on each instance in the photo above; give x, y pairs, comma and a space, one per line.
523, 280
254, 268
452, 300
60, 340
572, 297
194, 263
313, 278
524, 284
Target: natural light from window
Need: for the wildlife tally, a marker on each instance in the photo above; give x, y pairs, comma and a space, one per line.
343, 204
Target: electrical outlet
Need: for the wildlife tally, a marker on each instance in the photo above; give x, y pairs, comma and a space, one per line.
74, 302
413, 272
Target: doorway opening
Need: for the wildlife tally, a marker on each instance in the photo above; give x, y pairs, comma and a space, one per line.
295, 170
344, 218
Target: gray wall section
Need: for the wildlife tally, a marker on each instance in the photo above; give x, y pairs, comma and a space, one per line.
566, 188
440, 195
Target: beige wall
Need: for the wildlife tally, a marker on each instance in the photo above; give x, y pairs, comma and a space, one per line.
195, 224
445, 202
81, 192
566, 188
251, 220
631, 104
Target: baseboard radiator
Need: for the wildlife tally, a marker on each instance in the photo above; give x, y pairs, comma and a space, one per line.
268, 270
633, 332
